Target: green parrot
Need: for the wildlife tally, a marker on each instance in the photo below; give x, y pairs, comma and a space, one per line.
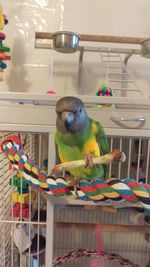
79, 137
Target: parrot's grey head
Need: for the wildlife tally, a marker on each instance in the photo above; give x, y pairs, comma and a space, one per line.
71, 115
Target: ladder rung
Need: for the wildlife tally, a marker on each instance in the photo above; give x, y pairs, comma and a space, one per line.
113, 67
126, 89
109, 55
112, 61
112, 73
122, 81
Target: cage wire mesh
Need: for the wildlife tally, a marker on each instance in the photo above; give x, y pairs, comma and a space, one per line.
23, 240
21, 228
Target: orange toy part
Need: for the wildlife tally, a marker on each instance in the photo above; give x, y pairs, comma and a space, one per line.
3, 56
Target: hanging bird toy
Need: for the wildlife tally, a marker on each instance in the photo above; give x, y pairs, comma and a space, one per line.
3, 49
104, 90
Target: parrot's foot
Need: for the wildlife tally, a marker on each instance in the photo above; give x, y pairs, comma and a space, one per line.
73, 182
88, 160
54, 174
70, 180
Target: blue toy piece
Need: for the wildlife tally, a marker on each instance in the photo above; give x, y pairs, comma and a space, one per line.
3, 65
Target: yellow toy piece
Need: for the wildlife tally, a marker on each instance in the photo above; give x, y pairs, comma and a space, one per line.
1, 18
19, 174
14, 197
22, 198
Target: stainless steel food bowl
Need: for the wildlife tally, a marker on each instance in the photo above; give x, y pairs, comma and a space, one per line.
65, 41
145, 48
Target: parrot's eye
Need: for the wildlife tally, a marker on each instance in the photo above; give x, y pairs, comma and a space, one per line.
80, 110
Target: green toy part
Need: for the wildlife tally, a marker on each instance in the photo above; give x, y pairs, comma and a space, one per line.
4, 48
18, 182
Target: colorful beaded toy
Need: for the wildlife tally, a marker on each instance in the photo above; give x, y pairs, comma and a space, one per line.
3, 49
104, 90
21, 196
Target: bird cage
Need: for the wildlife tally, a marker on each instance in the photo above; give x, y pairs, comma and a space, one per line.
46, 229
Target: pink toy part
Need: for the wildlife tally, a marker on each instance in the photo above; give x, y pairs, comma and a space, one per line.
20, 211
51, 92
2, 36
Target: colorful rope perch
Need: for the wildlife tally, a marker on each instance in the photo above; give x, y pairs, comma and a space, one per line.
112, 190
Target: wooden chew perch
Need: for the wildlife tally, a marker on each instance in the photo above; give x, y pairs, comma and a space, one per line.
115, 155
96, 38
108, 227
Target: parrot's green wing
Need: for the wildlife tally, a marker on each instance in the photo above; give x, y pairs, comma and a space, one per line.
102, 142
102, 139
57, 158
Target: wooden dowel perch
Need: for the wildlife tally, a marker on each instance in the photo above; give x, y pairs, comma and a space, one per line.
115, 155
96, 38
107, 227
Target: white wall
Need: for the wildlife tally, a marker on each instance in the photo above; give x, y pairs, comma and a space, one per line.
30, 68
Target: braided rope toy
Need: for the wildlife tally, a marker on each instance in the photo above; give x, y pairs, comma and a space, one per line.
129, 190
89, 253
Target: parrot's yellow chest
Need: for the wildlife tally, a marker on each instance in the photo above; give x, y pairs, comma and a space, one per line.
91, 146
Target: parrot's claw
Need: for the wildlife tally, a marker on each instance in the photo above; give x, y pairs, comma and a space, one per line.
52, 174
88, 160
76, 185
70, 180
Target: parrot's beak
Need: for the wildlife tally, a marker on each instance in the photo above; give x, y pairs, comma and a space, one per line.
68, 118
